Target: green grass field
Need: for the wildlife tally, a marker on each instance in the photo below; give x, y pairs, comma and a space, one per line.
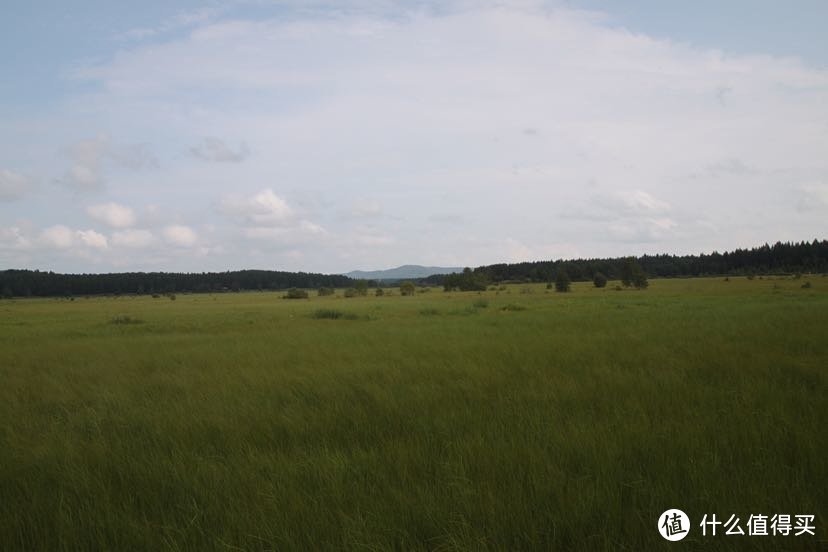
513, 420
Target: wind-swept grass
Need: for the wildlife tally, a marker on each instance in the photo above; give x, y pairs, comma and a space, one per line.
564, 422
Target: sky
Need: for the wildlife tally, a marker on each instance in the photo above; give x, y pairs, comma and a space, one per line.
333, 136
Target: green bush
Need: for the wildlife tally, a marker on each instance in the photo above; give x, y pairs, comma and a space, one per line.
562, 283
324, 292
332, 314
296, 293
599, 280
124, 319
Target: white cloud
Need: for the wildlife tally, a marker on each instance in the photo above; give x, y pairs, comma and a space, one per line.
113, 214
262, 209
14, 238
93, 239
132, 156
85, 173
213, 149
180, 235
133, 239
13, 185
64, 238
543, 121
58, 237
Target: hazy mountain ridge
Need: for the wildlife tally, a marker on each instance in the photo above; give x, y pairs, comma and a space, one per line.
402, 272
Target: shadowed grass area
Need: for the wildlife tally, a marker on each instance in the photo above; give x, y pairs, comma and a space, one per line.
545, 421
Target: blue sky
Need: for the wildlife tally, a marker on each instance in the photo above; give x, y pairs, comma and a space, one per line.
335, 136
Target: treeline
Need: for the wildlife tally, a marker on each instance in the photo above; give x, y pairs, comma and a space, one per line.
43, 284
778, 258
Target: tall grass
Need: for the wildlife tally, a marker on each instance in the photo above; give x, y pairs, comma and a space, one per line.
242, 421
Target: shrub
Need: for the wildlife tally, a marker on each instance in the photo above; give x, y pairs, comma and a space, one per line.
600, 280
526, 290
562, 283
806, 285
324, 291
332, 314
296, 293
171, 296
351, 292
407, 288
124, 319
379, 292
512, 307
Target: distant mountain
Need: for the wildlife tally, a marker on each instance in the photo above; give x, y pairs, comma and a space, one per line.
402, 272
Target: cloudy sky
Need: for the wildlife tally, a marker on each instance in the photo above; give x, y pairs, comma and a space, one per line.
332, 136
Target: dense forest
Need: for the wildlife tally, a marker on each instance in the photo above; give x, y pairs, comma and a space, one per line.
788, 258
39, 283
779, 258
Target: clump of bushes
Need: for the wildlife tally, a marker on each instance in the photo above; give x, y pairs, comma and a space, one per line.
379, 292
599, 280
332, 314
351, 292
407, 288
806, 285
296, 293
511, 307
124, 319
324, 292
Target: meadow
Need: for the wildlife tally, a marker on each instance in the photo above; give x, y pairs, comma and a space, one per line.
513, 419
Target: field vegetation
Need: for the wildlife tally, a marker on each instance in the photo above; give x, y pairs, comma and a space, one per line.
478, 420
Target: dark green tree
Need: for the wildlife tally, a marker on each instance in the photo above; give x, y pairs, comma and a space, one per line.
562, 282
599, 280
361, 287
632, 274
407, 288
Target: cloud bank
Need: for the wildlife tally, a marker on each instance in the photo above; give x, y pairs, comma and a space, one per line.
460, 136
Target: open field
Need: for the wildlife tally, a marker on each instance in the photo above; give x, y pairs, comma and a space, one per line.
519, 419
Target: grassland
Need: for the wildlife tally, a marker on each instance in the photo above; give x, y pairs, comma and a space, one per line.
510, 420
